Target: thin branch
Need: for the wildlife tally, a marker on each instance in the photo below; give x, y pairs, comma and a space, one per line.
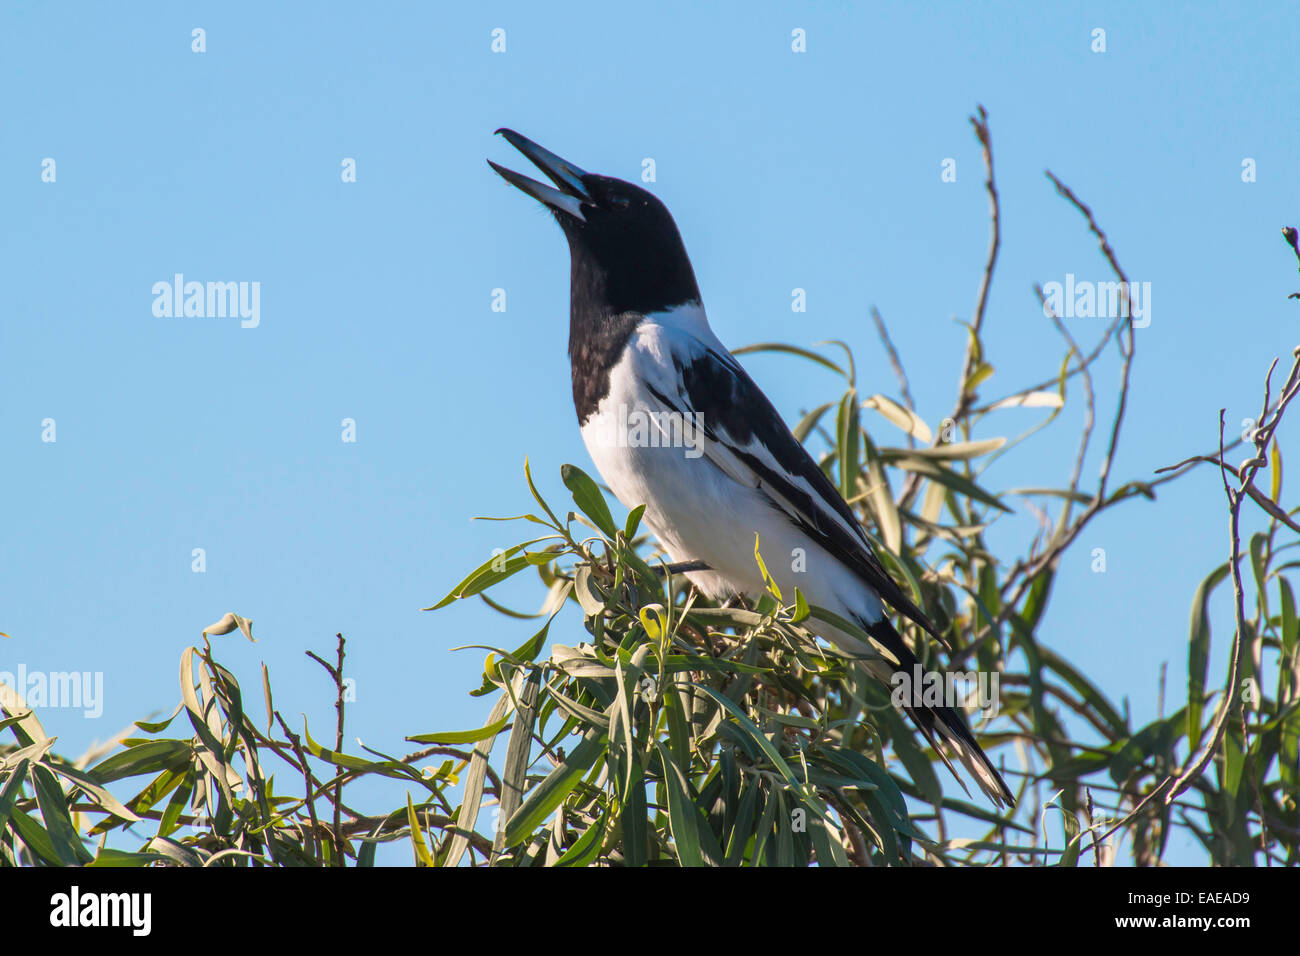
1293, 240
896, 364
296, 742
1030, 571
981, 126
1245, 475
336, 672
1090, 411
964, 397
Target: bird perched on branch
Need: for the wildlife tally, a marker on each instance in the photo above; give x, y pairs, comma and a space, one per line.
673, 422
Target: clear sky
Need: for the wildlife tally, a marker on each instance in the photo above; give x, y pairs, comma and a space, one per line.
818, 170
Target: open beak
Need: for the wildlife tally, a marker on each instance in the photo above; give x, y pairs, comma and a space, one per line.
570, 195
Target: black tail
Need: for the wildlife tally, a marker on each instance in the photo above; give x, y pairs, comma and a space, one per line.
943, 726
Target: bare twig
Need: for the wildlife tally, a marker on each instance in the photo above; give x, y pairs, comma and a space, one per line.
1089, 417
1293, 240
897, 366
336, 672
965, 398
1022, 577
296, 742
1245, 475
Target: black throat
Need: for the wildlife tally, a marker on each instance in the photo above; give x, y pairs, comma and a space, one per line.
605, 307
596, 344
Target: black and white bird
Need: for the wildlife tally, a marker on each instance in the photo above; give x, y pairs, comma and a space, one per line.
642, 351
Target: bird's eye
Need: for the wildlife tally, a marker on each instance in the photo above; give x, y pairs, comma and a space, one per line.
619, 202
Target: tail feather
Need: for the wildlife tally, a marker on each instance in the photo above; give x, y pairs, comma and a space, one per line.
945, 728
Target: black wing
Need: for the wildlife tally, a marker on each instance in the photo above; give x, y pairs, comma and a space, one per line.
750, 436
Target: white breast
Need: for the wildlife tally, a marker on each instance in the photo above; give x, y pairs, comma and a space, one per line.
696, 510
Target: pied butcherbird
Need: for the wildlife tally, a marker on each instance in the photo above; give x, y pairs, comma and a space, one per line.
673, 422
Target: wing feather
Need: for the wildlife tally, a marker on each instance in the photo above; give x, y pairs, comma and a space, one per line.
751, 443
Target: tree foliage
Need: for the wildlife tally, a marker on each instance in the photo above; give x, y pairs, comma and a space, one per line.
641, 724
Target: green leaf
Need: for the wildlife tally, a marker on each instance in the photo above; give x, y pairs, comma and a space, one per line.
529, 650
619, 727
901, 416
851, 629
790, 350
1198, 653
827, 842
886, 790
653, 620
514, 773
528, 477
912, 462
174, 851
475, 779
176, 806
461, 736
96, 792
58, 821
587, 496
979, 376
108, 857
550, 793
718, 617
34, 835
492, 572
1259, 564
1234, 757
26, 727
785, 848
1073, 837
587, 591
932, 505
1276, 490
1290, 622
12, 791
882, 501
801, 610
151, 756
683, 816
1036, 599
266, 698
633, 522
679, 733
751, 729
948, 451
422, 855
159, 726
742, 830
848, 444
763, 836
633, 815
369, 843
770, 584
586, 849
1030, 400
806, 424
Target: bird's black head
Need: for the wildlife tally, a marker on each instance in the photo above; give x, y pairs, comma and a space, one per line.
625, 252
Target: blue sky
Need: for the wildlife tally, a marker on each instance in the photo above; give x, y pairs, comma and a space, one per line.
818, 170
